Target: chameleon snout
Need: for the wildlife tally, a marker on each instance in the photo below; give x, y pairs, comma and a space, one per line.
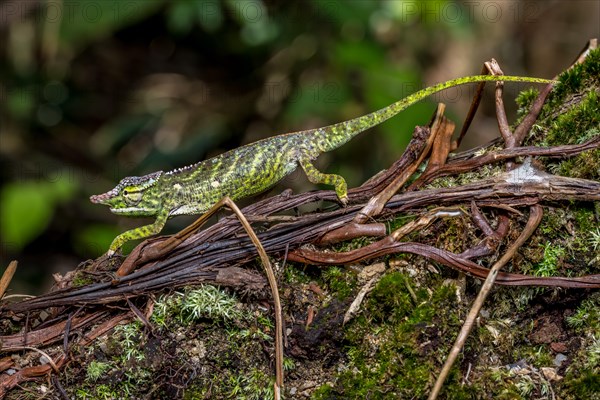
101, 198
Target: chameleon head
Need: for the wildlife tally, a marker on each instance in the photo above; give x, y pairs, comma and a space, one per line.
133, 196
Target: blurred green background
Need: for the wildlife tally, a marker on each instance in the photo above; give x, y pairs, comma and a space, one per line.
93, 91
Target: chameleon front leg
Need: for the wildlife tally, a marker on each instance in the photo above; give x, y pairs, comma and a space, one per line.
139, 233
316, 176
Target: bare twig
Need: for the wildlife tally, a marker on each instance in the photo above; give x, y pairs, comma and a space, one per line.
494, 69
7, 277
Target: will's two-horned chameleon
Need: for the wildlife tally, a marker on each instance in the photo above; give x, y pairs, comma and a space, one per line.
250, 169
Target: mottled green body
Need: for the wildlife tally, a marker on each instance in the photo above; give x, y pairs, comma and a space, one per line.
249, 169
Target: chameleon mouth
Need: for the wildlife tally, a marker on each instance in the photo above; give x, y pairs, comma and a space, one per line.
136, 211
122, 210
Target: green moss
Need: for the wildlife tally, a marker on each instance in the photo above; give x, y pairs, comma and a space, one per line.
135, 356
525, 100
585, 218
576, 79
254, 385
395, 345
587, 315
390, 299
578, 90
81, 278
96, 369
293, 275
584, 386
553, 224
552, 261
564, 242
340, 283
99, 392
569, 81
577, 125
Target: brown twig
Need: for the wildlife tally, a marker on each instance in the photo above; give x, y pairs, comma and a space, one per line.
377, 202
494, 69
442, 146
473, 108
389, 246
7, 277
463, 165
8, 382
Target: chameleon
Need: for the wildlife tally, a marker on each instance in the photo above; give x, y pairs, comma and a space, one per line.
250, 169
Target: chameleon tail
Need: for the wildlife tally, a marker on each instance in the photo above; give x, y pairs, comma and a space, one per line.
333, 136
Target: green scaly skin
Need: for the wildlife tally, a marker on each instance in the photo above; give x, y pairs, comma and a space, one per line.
250, 169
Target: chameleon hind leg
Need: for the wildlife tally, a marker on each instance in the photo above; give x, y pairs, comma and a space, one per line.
316, 176
138, 233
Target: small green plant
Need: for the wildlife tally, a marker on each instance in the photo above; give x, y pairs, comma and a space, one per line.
209, 302
525, 99
252, 333
164, 308
83, 393
593, 353
130, 336
587, 314
255, 385
288, 364
96, 370
525, 385
192, 305
390, 298
553, 256
594, 239
103, 392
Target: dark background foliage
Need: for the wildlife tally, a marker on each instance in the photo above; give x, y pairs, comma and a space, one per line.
95, 90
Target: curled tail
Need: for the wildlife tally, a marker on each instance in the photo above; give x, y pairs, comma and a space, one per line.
333, 136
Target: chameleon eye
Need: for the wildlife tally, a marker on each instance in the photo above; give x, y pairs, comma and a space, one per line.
132, 198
